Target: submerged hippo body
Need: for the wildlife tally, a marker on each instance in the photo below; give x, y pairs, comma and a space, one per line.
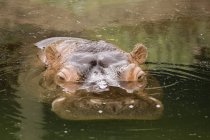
96, 80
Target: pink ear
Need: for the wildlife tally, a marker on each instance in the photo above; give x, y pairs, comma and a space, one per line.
139, 53
48, 52
51, 54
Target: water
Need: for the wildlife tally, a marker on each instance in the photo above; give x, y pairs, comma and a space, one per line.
177, 34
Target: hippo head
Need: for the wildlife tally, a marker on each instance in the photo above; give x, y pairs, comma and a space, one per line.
72, 67
97, 69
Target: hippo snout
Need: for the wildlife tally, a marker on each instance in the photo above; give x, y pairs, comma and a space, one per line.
97, 86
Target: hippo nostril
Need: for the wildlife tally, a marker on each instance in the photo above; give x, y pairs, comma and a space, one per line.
95, 72
93, 63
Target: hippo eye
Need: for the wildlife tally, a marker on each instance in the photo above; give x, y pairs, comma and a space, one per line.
140, 75
61, 76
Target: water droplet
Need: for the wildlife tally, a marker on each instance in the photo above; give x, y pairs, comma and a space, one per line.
158, 106
206, 117
132, 101
95, 101
98, 36
131, 106
192, 134
100, 111
67, 110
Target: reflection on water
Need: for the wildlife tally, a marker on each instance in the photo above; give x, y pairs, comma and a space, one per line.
176, 33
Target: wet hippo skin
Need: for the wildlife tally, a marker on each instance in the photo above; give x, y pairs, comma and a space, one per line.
96, 80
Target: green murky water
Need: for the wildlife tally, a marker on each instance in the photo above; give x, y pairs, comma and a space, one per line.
177, 34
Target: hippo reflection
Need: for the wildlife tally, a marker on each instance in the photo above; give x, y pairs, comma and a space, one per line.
113, 104
96, 80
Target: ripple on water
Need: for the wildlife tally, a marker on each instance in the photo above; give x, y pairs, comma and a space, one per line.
172, 74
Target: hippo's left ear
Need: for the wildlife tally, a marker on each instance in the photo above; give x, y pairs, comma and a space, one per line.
138, 54
49, 55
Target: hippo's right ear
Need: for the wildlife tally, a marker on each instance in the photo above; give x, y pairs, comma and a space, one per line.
138, 54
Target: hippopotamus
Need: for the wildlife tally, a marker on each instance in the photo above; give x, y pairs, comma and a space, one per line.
95, 80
